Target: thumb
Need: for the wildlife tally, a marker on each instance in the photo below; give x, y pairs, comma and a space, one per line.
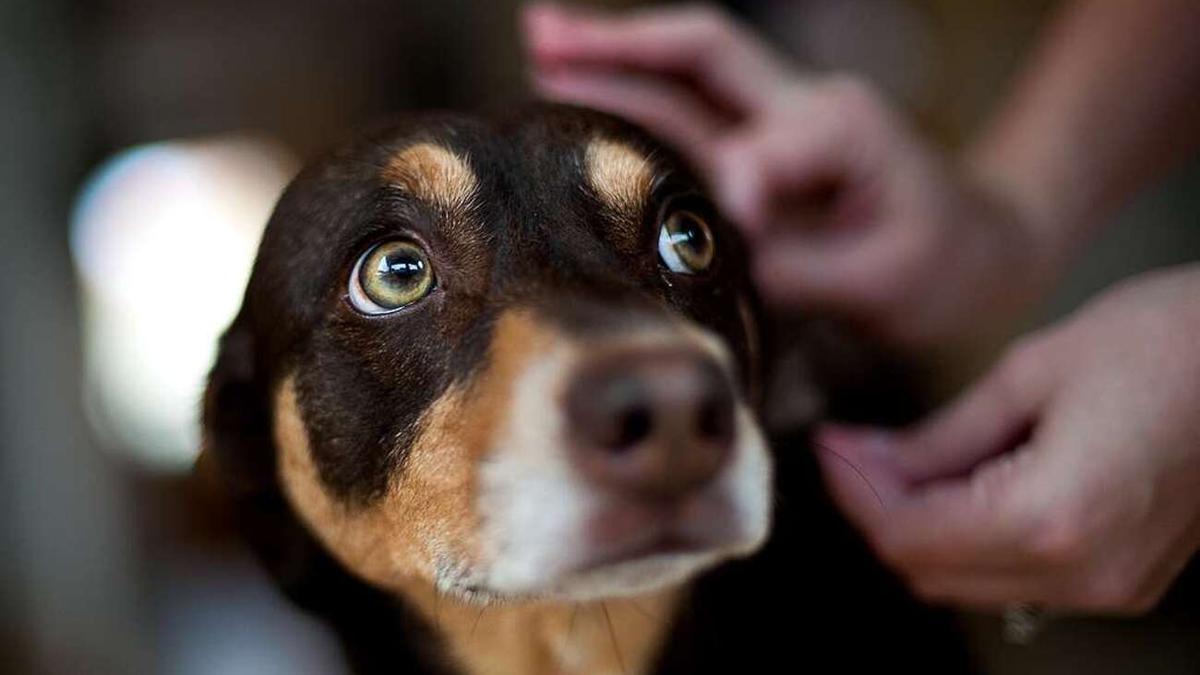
993, 417
860, 478
875, 474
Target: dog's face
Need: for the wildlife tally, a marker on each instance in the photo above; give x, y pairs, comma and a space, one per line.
511, 358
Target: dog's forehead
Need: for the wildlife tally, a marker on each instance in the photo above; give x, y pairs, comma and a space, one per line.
617, 172
450, 168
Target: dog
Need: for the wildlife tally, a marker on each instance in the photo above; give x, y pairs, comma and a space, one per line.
492, 405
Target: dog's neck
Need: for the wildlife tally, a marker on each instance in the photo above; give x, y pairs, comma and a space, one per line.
618, 637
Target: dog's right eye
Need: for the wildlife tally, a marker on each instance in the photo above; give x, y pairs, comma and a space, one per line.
390, 276
685, 243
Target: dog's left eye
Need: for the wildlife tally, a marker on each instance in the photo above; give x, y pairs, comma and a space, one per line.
685, 243
390, 276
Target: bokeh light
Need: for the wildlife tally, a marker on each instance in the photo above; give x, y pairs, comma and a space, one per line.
163, 237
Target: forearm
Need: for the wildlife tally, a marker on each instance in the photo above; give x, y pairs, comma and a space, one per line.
1111, 99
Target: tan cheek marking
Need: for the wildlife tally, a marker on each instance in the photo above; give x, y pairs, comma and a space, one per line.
433, 174
620, 176
427, 517
429, 510
425, 513
516, 338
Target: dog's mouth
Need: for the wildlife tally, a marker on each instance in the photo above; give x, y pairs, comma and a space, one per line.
625, 532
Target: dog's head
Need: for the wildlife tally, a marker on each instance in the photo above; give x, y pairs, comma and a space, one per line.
512, 358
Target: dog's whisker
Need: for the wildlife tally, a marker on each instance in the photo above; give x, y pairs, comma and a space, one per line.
571, 621
475, 626
642, 610
613, 635
854, 467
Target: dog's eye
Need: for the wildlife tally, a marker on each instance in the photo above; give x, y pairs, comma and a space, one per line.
685, 243
389, 276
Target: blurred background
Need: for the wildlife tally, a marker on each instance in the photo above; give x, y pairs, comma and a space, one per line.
142, 145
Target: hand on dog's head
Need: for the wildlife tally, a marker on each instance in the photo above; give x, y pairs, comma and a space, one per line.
510, 358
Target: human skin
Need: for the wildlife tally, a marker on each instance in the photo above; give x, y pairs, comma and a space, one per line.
1068, 476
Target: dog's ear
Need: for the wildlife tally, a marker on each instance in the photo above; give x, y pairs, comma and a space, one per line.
237, 449
238, 461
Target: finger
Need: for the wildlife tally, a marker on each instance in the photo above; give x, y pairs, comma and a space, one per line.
661, 107
987, 519
859, 477
690, 42
981, 520
991, 418
783, 164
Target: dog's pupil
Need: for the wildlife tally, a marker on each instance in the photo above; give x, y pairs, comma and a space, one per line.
400, 268
688, 237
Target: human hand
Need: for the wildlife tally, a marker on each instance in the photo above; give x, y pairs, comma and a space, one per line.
1069, 476
844, 208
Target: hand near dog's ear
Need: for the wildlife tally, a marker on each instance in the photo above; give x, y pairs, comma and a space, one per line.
1069, 476
845, 209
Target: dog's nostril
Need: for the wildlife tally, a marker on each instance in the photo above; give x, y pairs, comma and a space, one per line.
633, 426
715, 419
656, 423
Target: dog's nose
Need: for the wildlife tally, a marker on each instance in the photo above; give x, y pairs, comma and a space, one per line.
653, 423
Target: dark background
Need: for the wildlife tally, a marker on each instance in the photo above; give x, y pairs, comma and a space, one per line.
108, 564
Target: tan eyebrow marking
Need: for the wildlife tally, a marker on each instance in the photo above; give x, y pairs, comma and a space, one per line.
433, 174
619, 175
